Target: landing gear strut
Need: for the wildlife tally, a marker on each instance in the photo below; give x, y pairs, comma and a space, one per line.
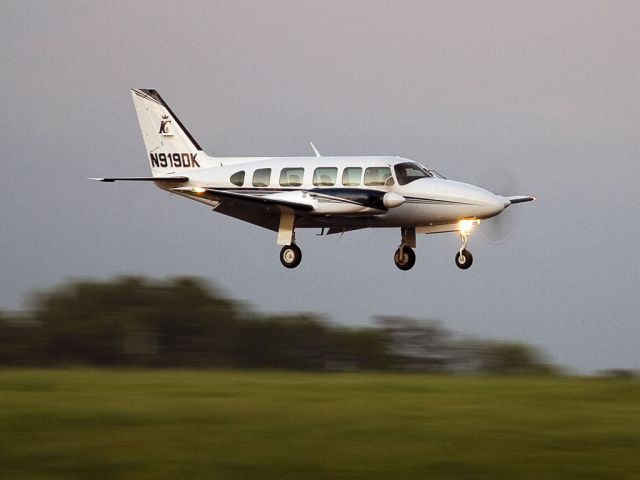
290, 255
405, 257
464, 259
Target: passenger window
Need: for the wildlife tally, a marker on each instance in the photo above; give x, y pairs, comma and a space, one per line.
238, 178
325, 176
291, 177
351, 176
262, 177
376, 176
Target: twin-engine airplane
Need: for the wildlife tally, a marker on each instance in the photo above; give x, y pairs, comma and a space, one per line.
334, 194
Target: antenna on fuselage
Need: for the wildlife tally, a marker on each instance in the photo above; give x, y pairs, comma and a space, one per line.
315, 149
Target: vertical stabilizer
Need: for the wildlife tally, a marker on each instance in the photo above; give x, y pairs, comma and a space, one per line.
170, 147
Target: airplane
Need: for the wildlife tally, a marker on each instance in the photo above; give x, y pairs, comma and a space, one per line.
331, 193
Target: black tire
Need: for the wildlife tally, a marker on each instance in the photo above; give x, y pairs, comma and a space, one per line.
464, 259
408, 259
290, 256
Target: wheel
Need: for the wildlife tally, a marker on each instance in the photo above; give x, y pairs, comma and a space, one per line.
290, 256
464, 259
408, 259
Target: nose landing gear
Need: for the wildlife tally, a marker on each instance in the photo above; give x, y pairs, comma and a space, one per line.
464, 259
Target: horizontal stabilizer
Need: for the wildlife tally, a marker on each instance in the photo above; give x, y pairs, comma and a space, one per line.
175, 179
513, 200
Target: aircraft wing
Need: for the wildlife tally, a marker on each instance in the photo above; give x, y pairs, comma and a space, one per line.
261, 210
175, 179
295, 200
312, 209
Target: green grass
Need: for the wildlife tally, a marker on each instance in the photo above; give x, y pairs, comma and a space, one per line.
111, 424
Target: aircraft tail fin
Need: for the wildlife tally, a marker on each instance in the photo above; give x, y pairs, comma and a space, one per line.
169, 145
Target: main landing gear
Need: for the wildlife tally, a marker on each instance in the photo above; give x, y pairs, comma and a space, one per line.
291, 256
405, 257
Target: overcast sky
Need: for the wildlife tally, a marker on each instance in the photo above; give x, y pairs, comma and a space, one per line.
548, 92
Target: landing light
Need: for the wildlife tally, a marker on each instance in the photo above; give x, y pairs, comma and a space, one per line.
465, 226
198, 190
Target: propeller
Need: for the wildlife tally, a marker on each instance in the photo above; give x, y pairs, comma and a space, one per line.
499, 179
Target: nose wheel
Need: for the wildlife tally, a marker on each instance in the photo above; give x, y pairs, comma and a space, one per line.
291, 256
464, 259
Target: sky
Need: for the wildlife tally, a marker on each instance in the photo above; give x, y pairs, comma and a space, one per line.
542, 97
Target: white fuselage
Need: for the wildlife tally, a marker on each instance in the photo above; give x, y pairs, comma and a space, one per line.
428, 201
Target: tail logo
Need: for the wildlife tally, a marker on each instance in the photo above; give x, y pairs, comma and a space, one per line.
165, 126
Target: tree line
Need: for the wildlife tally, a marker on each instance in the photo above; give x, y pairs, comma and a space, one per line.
186, 323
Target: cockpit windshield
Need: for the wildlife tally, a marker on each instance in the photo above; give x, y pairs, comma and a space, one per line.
407, 172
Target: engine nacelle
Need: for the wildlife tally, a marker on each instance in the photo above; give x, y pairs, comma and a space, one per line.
392, 199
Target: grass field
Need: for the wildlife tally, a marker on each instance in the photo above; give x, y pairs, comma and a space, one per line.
111, 424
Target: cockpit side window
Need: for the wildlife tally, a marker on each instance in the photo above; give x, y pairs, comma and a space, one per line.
238, 178
408, 172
